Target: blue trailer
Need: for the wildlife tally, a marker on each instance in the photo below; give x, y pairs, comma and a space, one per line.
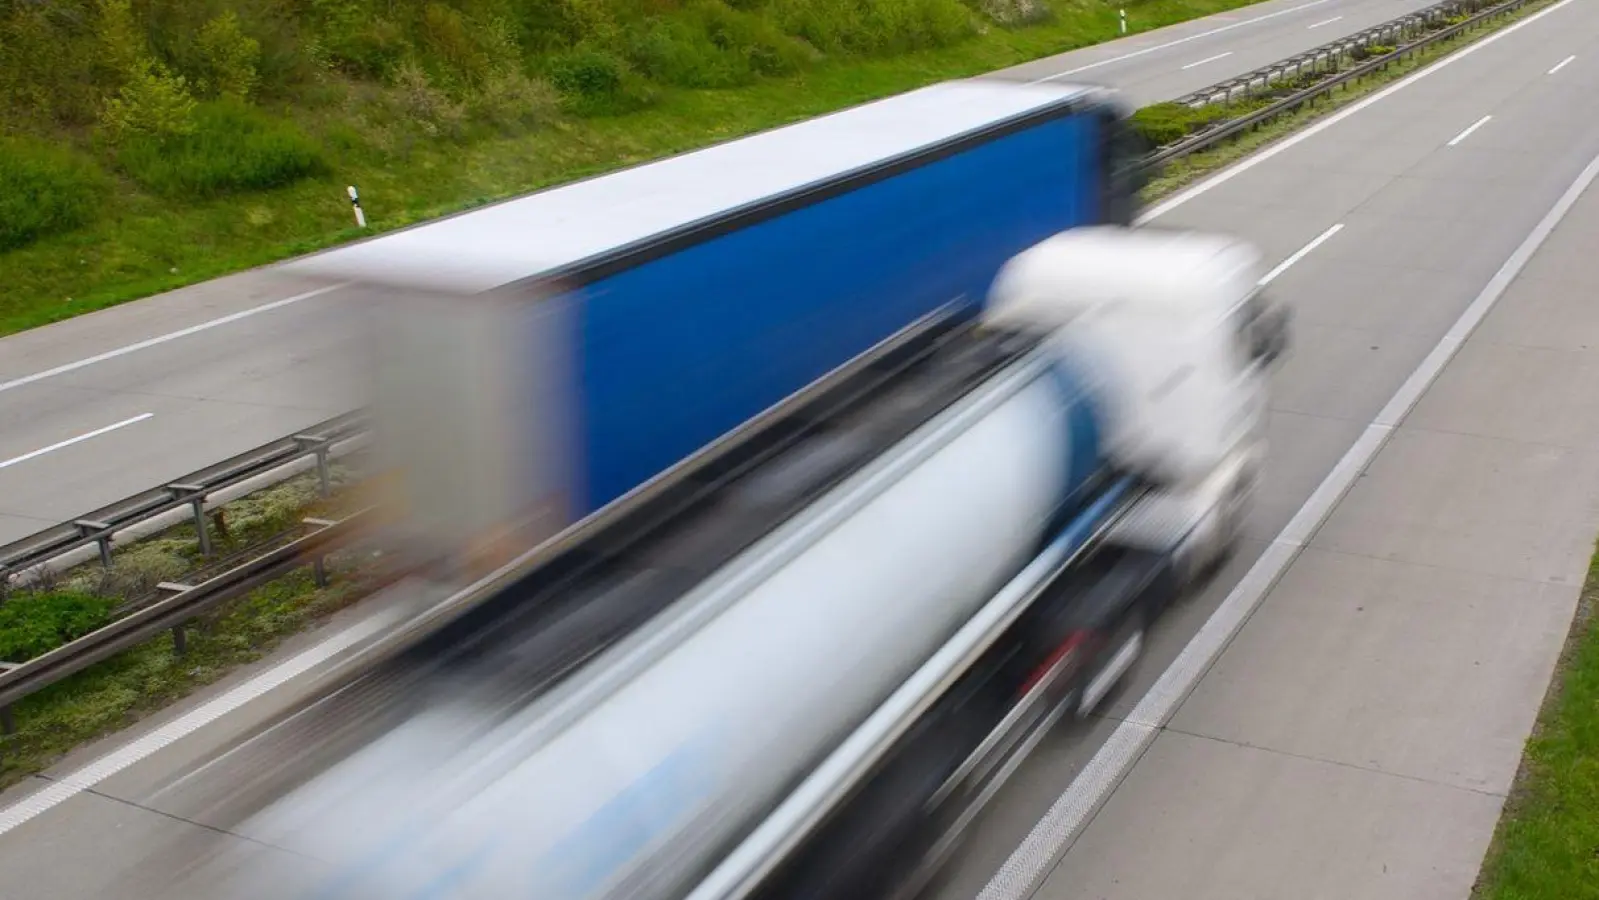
688, 295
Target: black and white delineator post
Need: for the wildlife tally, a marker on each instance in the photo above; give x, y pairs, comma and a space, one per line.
355, 203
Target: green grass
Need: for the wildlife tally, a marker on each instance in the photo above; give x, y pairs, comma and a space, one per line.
233, 148
144, 241
116, 693
44, 190
1547, 843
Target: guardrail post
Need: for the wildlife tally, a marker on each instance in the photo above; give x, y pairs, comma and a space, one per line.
180, 641
319, 565
88, 527
8, 720
321, 446
197, 503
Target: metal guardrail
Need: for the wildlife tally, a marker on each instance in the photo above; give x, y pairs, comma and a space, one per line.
192, 490
1233, 127
175, 612
1331, 55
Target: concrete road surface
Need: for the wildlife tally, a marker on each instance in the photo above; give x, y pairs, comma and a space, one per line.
1356, 736
103, 406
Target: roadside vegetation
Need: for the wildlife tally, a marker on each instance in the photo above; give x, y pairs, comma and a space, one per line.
146, 144
115, 693
1547, 844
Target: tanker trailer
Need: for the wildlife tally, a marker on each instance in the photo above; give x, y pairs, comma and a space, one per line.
702, 752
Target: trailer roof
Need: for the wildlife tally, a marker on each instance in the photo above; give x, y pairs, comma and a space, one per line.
558, 228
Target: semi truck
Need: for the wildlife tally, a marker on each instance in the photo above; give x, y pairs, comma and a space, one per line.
832, 523
648, 312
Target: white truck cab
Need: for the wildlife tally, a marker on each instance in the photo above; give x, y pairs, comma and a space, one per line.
1179, 340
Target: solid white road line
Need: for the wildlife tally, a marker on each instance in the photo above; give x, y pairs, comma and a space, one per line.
1169, 44
1303, 252
1043, 847
1298, 138
70, 441
1208, 59
1467, 133
1562, 64
1323, 22
69, 786
164, 338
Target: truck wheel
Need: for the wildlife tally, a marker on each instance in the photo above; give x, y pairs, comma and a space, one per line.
1232, 517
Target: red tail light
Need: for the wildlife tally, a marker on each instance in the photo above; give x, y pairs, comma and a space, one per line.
1066, 649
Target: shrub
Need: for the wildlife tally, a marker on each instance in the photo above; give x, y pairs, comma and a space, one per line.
512, 102
358, 44
232, 147
757, 44
229, 57
32, 624
551, 26
672, 51
872, 27
712, 45
153, 103
44, 190
596, 82
416, 102
47, 69
1164, 123
1016, 13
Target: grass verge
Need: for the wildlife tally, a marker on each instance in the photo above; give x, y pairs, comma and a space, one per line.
1547, 842
145, 241
116, 693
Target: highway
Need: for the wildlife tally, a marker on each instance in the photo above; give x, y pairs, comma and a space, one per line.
1351, 709
1357, 737
102, 406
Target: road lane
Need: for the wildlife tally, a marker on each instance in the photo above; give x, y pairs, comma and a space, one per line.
1425, 230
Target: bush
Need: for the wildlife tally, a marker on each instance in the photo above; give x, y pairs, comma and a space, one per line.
550, 26
364, 46
596, 82
712, 46
47, 71
1016, 13
232, 147
32, 624
512, 103
229, 57
152, 103
44, 190
416, 102
1165, 123
874, 27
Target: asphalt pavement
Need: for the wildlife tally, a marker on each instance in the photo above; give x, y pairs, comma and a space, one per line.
1355, 733
1365, 673
108, 404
